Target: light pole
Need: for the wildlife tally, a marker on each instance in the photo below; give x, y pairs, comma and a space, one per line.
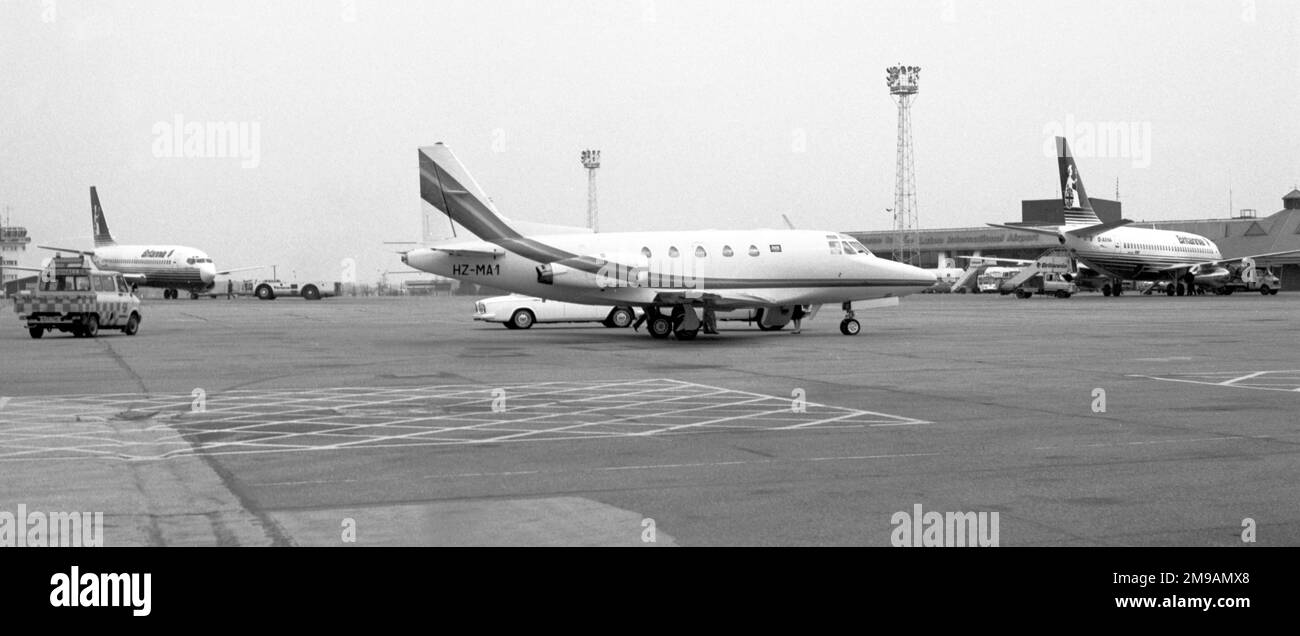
591, 161
903, 87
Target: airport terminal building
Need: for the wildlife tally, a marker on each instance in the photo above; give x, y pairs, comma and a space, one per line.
1241, 236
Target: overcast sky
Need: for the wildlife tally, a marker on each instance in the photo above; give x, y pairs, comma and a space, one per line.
709, 114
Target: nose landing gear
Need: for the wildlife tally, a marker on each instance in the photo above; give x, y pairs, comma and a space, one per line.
849, 326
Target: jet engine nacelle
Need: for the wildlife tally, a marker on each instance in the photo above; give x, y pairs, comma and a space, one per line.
1214, 277
547, 273
776, 317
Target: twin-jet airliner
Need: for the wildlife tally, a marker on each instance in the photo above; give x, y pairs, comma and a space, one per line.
1119, 253
171, 267
678, 277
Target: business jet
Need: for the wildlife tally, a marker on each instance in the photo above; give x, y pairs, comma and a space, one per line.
1120, 253
673, 275
171, 267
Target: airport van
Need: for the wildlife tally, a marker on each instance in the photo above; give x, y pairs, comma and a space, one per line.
73, 296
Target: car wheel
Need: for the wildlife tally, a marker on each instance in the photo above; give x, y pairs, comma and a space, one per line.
310, 292
132, 325
92, 326
523, 318
264, 292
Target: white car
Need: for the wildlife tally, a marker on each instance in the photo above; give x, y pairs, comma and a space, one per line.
521, 312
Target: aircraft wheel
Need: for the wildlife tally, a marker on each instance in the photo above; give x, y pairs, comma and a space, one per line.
659, 326
850, 327
1105, 290
619, 318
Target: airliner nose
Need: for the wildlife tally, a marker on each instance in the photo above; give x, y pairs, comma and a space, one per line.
207, 272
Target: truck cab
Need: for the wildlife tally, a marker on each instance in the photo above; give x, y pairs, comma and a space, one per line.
73, 296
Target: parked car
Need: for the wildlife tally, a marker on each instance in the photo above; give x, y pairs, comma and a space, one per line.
521, 312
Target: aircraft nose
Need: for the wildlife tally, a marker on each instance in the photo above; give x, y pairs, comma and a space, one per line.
208, 272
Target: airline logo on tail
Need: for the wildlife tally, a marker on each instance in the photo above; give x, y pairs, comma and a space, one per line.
1078, 209
102, 236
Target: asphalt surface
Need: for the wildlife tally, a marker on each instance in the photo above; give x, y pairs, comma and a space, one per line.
402, 422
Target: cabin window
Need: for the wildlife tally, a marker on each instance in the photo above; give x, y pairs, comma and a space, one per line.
673, 253
645, 251
753, 250
775, 247
726, 251
699, 251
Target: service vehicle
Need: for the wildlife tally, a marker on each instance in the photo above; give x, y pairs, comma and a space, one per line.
73, 296
270, 289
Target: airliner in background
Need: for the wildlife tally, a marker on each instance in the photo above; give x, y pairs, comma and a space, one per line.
171, 267
1119, 253
679, 277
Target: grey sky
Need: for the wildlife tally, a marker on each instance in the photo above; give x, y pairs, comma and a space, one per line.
709, 114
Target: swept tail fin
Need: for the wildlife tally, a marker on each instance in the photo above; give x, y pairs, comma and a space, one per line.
102, 236
447, 185
1078, 208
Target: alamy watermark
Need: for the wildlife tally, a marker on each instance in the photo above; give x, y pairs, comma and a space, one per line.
37, 529
943, 529
1106, 139
209, 140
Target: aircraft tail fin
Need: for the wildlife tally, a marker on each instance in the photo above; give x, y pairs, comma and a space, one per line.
447, 186
102, 236
1078, 208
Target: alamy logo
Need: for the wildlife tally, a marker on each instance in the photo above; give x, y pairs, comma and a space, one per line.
55, 529
209, 140
943, 529
92, 589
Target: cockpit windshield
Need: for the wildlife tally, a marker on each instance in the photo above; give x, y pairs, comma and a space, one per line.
852, 246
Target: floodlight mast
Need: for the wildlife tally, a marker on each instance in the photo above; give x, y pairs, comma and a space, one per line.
903, 82
591, 161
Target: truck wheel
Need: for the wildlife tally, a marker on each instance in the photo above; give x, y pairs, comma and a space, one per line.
311, 293
92, 326
523, 319
660, 326
194, 295
619, 318
36, 332
132, 325
264, 292
1061, 293
1264, 291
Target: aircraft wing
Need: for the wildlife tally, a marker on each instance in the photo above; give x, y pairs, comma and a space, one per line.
65, 249
1222, 261
681, 296
226, 272
22, 269
1093, 230
988, 259
1049, 231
